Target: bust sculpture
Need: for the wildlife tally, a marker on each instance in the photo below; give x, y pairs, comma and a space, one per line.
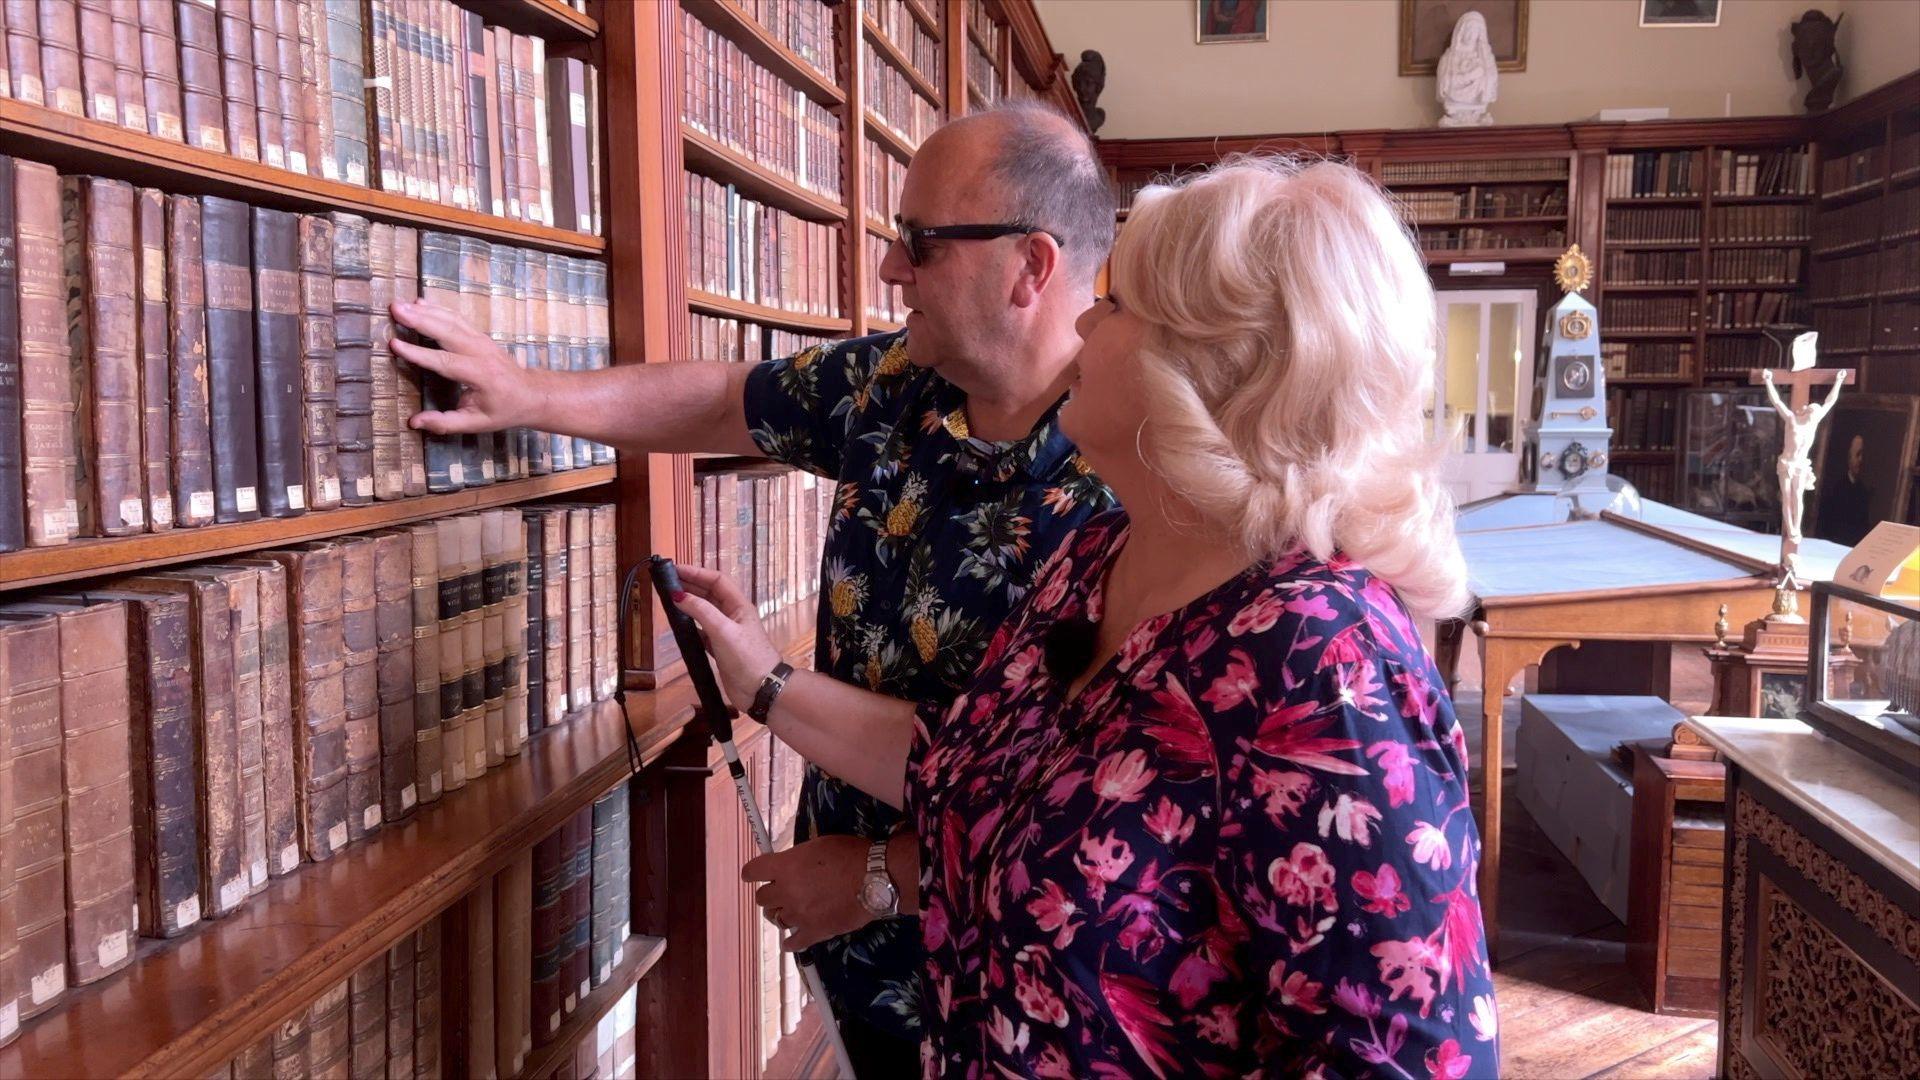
1468, 78
1815, 57
1089, 79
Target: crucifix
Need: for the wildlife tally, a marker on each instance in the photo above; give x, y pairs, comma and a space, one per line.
1798, 418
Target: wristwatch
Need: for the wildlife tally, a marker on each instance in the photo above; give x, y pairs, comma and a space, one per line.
770, 688
877, 893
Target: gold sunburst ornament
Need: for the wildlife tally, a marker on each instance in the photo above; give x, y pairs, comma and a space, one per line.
1573, 270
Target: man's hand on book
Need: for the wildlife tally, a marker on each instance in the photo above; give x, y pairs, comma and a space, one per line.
495, 392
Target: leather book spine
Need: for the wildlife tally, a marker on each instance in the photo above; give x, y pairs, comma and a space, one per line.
473, 685
599, 334
230, 359
268, 122
278, 379
577, 974
483, 101
13, 491
389, 482
551, 856
104, 365
600, 893
440, 285
577, 352
312, 22
554, 543
407, 391
499, 324
317, 667
128, 80
506, 97
353, 345
481, 1016
99, 81
477, 450
493, 631
406, 96
514, 627
318, 419
290, 1049
554, 344
254, 1061
381, 128
622, 921
595, 104
535, 457
23, 50
452, 649
393, 631
6, 90
30, 702
59, 26
534, 638
187, 369
606, 639
429, 772
543, 132
46, 387
426, 1000
156, 381
160, 70
276, 718
360, 638
449, 103
525, 104
243, 597
367, 1020
579, 606
399, 962
513, 962
10, 982
292, 93
203, 107
328, 1036
567, 120
346, 83
235, 24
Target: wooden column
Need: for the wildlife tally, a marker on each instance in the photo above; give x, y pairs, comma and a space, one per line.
853, 230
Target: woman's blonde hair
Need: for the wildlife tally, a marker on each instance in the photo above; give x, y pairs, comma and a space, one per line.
1289, 359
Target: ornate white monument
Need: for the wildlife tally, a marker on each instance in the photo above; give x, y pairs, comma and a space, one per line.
1570, 444
1468, 78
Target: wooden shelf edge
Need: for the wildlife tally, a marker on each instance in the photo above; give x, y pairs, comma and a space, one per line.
884, 232
548, 19
1492, 255
898, 60
1650, 287
890, 140
76, 144
707, 155
1527, 219
643, 951
715, 304
314, 927
33, 567
733, 24
1392, 185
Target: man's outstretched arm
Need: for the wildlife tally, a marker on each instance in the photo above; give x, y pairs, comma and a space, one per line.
634, 407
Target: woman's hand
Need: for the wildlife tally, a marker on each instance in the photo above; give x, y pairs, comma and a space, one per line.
742, 653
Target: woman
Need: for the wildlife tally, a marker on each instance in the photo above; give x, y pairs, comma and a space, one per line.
1203, 808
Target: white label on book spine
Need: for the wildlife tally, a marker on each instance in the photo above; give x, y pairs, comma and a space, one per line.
577, 109
133, 511
553, 1023
499, 748
626, 931
573, 1001
47, 985
486, 468
289, 858
54, 524
479, 764
393, 479
68, 100
113, 948
408, 797
274, 157
133, 116
456, 472
232, 893
585, 988
246, 499
606, 972
433, 783
31, 89
418, 473
330, 488
73, 516
257, 873
162, 508
169, 128
297, 496
186, 912
328, 167
106, 107
9, 1019
200, 504
337, 836
363, 486
297, 160
370, 817
356, 172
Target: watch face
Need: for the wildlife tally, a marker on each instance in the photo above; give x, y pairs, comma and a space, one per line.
1573, 461
1575, 376
876, 894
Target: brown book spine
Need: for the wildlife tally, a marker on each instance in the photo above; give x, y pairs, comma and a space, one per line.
104, 367
328, 1036
191, 434
483, 96
203, 109
406, 93
473, 668
317, 362
400, 1008
312, 23
293, 97
477, 980
437, 100
276, 718
237, 78
508, 461
243, 600
476, 275
506, 92
426, 999
360, 638
227, 245
160, 70
576, 976
407, 392
559, 617
269, 124
156, 380
452, 649
580, 606
30, 701
389, 480
606, 640
457, 63
514, 625
128, 80
493, 631
10, 981
46, 389
393, 625
527, 126
23, 50
367, 1020
347, 88
278, 386
381, 98
318, 666
567, 121
429, 771
353, 353
536, 84
549, 934
255, 1061
554, 334
59, 24
98, 81
290, 1049
513, 960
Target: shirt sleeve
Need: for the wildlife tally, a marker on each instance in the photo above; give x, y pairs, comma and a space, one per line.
800, 410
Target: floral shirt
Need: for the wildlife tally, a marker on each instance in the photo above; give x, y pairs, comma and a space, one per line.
934, 538
1244, 848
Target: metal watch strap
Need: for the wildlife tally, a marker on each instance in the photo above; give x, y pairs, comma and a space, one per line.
877, 857
770, 688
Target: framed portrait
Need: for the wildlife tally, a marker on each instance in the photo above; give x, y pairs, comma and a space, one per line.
1426, 29
1217, 22
1861, 459
1679, 12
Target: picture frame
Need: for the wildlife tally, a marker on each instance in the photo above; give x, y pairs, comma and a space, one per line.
1426, 29
1679, 13
1862, 457
1219, 22
1730, 439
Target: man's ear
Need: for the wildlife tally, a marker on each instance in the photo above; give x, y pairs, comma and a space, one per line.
1039, 270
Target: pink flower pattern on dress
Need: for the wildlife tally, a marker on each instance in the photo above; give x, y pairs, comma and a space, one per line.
1243, 850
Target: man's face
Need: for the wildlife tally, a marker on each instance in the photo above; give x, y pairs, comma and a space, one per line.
1856, 457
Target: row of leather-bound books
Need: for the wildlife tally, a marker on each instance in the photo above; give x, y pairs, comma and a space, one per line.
172, 741
413, 96
171, 361
511, 960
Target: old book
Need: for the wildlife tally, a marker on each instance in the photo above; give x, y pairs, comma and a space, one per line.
60, 69
507, 456
165, 759
310, 20
451, 105
477, 450
605, 919
269, 124
599, 336
513, 626
594, 105
527, 266
551, 857
406, 289
46, 388
276, 717
360, 639
533, 639
382, 149
426, 1000
23, 50
129, 78
96, 783
572, 286
30, 702
277, 351
440, 285
389, 481
329, 1042
452, 648
290, 1047
159, 69
555, 333
367, 1020
10, 982
234, 21
99, 77
513, 962
223, 873
493, 639
230, 358
483, 104
285, 18
478, 980
203, 109
567, 120
425, 608
13, 492
393, 630
321, 461
317, 668
580, 637
554, 543
406, 96
400, 1007
473, 671
191, 433
152, 349
104, 365
606, 638
255, 1060
506, 96
346, 83
353, 351
527, 125
576, 973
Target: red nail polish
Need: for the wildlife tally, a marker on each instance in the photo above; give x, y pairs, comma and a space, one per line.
679, 596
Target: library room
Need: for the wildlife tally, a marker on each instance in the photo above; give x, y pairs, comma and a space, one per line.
587, 539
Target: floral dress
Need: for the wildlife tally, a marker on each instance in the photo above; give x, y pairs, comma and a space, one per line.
935, 536
1244, 848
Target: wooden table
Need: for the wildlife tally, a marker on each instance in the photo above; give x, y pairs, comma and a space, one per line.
1541, 581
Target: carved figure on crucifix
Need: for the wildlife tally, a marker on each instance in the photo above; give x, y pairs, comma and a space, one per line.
1798, 424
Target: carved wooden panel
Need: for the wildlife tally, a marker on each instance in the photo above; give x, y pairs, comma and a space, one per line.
1820, 1009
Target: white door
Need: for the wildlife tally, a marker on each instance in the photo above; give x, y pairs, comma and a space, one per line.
1484, 394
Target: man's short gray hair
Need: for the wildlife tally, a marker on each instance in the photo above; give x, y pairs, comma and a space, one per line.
1052, 179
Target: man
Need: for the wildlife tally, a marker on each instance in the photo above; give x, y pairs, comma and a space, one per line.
954, 486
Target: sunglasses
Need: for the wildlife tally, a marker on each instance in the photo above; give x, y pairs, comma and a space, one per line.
914, 238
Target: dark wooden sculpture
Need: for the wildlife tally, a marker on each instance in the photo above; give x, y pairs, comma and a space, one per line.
1815, 57
1089, 79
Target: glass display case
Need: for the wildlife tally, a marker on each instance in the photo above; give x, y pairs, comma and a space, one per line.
1729, 441
1863, 674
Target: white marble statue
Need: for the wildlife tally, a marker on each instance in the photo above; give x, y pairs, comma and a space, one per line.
1468, 79
1796, 446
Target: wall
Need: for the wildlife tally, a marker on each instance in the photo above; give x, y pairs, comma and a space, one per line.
1332, 64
